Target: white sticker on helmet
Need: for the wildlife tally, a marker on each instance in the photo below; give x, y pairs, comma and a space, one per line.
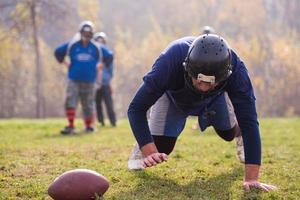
208, 79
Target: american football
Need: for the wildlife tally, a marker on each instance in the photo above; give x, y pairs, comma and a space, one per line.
78, 184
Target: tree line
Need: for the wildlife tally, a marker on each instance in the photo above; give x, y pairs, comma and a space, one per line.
264, 33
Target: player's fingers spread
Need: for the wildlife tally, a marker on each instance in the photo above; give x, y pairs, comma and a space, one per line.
273, 187
164, 156
260, 186
255, 185
264, 188
151, 160
147, 163
269, 187
144, 165
246, 187
157, 158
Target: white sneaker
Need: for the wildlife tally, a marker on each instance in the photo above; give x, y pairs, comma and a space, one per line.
135, 159
240, 149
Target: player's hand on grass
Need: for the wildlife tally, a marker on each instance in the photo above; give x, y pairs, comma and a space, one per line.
248, 185
154, 159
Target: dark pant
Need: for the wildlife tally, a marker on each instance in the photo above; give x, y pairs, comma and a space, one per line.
104, 93
166, 144
229, 135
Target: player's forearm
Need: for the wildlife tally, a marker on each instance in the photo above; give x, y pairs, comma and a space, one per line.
137, 117
247, 119
251, 172
139, 125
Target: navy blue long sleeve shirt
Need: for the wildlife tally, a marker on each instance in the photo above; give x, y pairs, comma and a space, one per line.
167, 74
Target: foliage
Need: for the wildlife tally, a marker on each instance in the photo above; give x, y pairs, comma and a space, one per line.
89, 10
264, 33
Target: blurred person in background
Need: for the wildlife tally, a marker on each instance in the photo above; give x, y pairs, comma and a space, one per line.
104, 93
208, 30
84, 73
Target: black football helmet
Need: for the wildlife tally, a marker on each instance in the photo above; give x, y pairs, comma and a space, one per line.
209, 59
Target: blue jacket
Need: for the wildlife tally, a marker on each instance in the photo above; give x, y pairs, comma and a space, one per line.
107, 74
84, 60
167, 75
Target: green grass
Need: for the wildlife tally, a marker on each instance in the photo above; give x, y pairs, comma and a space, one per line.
202, 166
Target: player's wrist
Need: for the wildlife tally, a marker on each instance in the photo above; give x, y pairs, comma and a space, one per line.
251, 172
149, 149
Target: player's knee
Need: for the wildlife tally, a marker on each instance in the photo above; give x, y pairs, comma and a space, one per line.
167, 150
228, 138
230, 134
164, 144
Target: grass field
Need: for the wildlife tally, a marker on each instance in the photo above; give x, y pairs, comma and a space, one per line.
33, 153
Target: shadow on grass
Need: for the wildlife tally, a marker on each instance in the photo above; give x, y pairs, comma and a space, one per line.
151, 186
78, 133
54, 135
255, 194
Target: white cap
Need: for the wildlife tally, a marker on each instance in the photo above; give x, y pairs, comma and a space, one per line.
87, 24
100, 34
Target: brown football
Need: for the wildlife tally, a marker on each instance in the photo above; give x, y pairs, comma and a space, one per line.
78, 184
